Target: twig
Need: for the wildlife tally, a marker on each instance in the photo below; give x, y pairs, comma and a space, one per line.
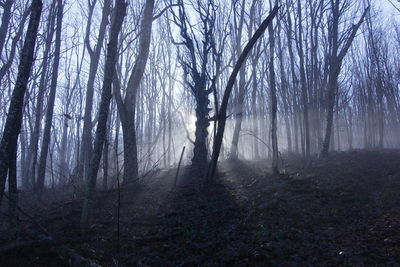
394, 5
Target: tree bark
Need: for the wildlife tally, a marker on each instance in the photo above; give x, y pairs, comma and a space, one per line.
274, 102
127, 108
8, 145
241, 86
111, 60
86, 147
29, 178
5, 21
304, 92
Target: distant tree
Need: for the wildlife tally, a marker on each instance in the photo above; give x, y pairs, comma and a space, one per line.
29, 176
336, 56
5, 21
50, 104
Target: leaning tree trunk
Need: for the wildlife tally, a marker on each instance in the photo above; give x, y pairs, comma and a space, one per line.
50, 105
224, 104
28, 178
101, 130
8, 145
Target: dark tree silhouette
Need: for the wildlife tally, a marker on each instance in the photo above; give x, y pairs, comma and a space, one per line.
101, 130
224, 104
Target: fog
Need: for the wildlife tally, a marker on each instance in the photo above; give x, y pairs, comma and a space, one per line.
111, 95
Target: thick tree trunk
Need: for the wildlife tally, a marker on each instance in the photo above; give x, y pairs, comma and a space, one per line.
127, 108
14, 118
200, 152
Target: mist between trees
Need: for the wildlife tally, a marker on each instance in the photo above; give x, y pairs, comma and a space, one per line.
96, 93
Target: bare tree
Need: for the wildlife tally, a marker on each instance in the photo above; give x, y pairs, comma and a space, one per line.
335, 62
222, 111
195, 62
50, 105
274, 103
126, 107
94, 54
8, 145
111, 60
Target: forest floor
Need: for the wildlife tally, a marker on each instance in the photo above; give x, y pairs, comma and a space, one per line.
341, 211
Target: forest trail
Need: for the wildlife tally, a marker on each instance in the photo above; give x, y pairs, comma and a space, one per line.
342, 211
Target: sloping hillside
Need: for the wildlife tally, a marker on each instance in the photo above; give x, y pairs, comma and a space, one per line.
342, 211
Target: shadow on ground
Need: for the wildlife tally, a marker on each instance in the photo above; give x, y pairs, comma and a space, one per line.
341, 211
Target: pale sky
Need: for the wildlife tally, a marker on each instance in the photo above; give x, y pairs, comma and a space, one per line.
388, 8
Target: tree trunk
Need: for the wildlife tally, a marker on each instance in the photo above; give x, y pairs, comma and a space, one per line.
86, 147
5, 21
222, 111
255, 113
30, 175
12, 189
274, 102
50, 104
285, 94
199, 160
335, 62
127, 107
110, 64
304, 93
14, 118
238, 109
